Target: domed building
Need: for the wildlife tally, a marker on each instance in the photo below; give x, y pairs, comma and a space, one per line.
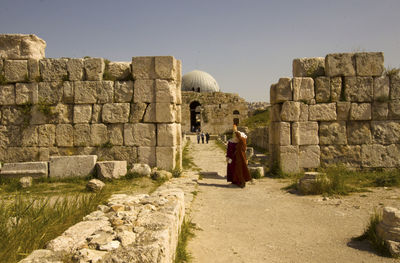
206, 108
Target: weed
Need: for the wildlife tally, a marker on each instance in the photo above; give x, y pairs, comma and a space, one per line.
187, 160
187, 232
26, 78
259, 119
26, 110
255, 174
382, 98
44, 107
107, 144
391, 178
3, 80
39, 79
195, 193
176, 172
65, 78
276, 171
85, 57
390, 72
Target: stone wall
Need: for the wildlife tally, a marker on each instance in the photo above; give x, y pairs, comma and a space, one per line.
68, 106
259, 137
341, 109
217, 110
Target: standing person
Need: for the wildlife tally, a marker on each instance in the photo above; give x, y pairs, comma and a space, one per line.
207, 137
198, 136
202, 137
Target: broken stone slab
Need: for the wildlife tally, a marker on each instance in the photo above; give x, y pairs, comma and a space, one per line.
95, 185
389, 229
25, 181
309, 181
21, 46
69, 166
111, 169
33, 169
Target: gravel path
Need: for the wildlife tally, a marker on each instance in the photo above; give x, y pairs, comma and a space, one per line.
262, 223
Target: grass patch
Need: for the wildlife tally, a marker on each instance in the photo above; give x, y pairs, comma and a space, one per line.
275, 171
258, 119
45, 107
187, 232
187, 160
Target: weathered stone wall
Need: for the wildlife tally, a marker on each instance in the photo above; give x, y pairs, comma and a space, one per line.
259, 137
343, 109
217, 110
68, 106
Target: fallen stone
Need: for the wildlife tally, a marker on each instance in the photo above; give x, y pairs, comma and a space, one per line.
111, 169
141, 169
389, 229
161, 174
95, 185
25, 182
33, 169
308, 183
68, 166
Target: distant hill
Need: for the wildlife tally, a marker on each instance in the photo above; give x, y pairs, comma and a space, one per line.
259, 118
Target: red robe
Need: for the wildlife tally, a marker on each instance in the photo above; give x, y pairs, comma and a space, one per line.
237, 171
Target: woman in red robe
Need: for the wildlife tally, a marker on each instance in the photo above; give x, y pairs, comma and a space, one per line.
237, 170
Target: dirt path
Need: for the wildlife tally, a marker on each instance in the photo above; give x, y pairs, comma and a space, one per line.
263, 223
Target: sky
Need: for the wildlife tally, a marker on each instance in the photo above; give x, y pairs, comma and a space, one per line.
246, 45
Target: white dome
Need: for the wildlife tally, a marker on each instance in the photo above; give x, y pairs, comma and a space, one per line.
199, 81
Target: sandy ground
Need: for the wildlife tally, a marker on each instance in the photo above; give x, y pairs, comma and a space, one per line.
262, 223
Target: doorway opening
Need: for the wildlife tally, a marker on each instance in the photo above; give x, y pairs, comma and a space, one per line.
195, 116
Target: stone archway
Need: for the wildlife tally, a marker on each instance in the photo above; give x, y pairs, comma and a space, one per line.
195, 116
236, 115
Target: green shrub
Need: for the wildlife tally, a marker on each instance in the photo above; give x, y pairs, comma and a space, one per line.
255, 174
186, 233
275, 171
258, 119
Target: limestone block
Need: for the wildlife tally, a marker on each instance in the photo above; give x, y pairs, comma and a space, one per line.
115, 112
85, 92
29, 136
7, 94
82, 135
385, 132
119, 70
62, 113
343, 110
359, 133
25, 182
283, 90
33, 169
98, 134
16, 70
64, 135
276, 112
166, 134
165, 112
50, 92
369, 63
377, 155
178, 82
305, 133
178, 113
115, 133
53, 69
303, 112
332, 133
289, 159
33, 70
105, 92
336, 88
96, 113
394, 110
68, 92
123, 91
26, 93
82, 113
94, 68
95, 185
165, 157
340, 64
111, 169
47, 135
165, 91
272, 94
360, 111
322, 89
178, 134
322, 112
150, 113
308, 67
121, 153
21, 46
348, 155
144, 91
143, 68
303, 89
165, 67
380, 110
395, 85
137, 112
309, 156
358, 89
381, 88
1, 65
12, 115
290, 111
69, 166
140, 134
75, 69
147, 155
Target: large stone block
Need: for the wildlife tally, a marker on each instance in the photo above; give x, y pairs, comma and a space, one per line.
369, 63
360, 111
105, 92
62, 113
33, 70
348, 155
395, 84
394, 110
303, 112
53, 69
47, 134
283, 90
94, 68
322, 89
276, 112
165, 157
82, 113
322, 112
308, 67
377, 155
336, 88
165, 112
64, 135
143, 68
309, 156
289, 159
119, 70
343, 110
305, 133
98, 134
50, 92
272, 94
140, 134
290, 111
12, 115
7, 94
96, 113
332, 133
165, 91
123, 91
381, 88
69, 166
29, 136
147, 155
358, 89
340, 64
137, 112
26, 93
116, 134
280, 133
75, 69
165, 67
68, 92
85, 92
33, 169
303, 89
144, 91
166, 134
385, 132
359, 133
16, 70
115, 112
21, 46
111, 169
380, 110
82, 135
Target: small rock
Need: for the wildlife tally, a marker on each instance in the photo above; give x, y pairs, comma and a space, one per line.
88, 255
95, 185
99, 239
117, 208
117, 222
25, 182
126, 238
161, 174
110, 246
141, 169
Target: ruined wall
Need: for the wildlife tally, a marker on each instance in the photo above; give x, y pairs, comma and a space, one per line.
67, 106
216, 110
259, 137
341, 109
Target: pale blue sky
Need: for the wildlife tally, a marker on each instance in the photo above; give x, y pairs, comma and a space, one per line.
245, 44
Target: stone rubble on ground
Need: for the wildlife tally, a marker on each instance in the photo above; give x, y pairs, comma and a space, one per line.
307, 183
95, 185
141, 169
389, 229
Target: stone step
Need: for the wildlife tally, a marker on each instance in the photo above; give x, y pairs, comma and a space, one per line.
33, 169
